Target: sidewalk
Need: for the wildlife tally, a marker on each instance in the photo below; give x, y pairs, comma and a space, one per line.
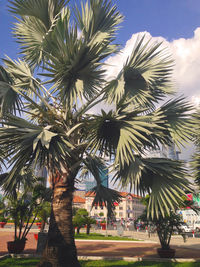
111, 248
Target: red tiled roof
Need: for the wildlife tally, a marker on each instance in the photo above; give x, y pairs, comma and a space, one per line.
78, 199
123, 194
90, 194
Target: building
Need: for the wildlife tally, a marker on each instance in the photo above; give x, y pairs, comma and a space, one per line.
165, 152
78, 202
130, 206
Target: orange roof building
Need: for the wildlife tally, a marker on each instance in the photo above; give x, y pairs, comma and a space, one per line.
130, 206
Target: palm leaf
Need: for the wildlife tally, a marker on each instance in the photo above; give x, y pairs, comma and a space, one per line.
125, 134
176, 120
98, 23
33, 30
27, 144
164, 180
9, 99
145, 76
44, 10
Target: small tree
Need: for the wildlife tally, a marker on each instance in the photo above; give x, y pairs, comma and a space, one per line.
88, 222
82, 218
79, 220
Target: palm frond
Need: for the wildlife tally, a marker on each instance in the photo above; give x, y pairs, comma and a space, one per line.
106, 196
177, 121
125, 134
29, 145
75, 72
22, 75
145, 77
98, 21
164, 180
33, 30
95, 166
9, 99
44, 10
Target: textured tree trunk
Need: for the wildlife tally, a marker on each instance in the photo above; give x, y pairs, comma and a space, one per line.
60, 250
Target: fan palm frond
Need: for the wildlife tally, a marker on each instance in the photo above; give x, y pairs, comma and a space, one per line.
98, 23
33, 29
164, 180
9, 99
125, 134
44, 10
177, 121
29, 145
145, 77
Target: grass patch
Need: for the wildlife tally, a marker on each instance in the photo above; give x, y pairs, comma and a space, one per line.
32, 262
96, 236
17, 262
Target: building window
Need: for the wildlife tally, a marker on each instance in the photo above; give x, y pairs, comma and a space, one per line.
120, 208
120, 214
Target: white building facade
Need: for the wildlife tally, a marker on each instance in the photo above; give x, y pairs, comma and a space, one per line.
130, 206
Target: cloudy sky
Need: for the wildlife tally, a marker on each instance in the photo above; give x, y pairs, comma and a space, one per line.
176, 22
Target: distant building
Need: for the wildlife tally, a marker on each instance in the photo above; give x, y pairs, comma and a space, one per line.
78, 202
129, 207
165, 152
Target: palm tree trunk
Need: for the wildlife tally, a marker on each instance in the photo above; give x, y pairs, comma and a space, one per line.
60, 250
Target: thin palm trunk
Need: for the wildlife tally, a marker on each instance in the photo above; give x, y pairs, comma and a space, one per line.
60, 250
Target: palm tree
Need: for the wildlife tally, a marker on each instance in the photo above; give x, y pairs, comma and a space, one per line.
49, 121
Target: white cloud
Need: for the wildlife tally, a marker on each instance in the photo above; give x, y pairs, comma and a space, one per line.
185, 52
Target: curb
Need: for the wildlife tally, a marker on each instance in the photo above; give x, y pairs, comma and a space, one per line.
116, 241
128, 259
135, 259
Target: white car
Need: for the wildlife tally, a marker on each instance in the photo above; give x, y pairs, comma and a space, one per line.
185, 228
197, 226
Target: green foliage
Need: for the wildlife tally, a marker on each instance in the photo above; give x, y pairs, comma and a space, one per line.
81, 219
24, 202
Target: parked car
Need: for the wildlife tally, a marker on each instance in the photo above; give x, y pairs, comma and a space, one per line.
185, 228
197, 226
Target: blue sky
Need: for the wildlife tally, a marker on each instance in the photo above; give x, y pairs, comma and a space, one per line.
175, 22
170, 19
